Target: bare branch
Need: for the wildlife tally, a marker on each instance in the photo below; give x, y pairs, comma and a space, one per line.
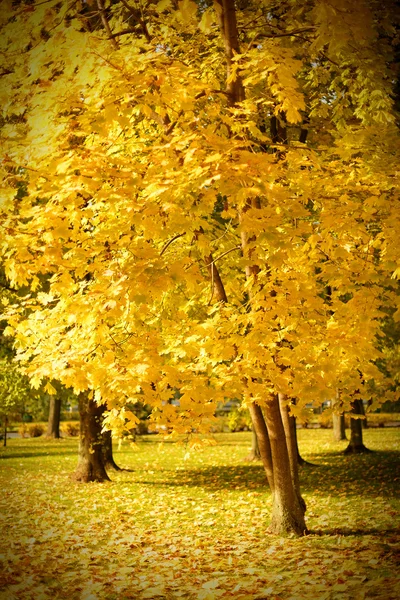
172, 240
106, 24
140, 20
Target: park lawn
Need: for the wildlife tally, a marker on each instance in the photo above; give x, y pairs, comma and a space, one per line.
195, 526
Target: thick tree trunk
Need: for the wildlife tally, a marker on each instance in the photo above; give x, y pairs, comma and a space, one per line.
339, 427
53, 424
254, 453
108, 458
356, 445
287, 511
90, 461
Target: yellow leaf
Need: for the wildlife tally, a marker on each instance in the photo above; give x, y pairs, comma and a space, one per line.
188, 10
206, 21
163, 5
50, 389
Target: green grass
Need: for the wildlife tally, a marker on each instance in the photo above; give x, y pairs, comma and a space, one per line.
195, 526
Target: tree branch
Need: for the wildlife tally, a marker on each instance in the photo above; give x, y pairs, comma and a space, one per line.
172, 240
106, 24
140, 20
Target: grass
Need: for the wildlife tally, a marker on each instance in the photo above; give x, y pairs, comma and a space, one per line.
194, 527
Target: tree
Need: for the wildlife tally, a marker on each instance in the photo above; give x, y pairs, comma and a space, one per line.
339, 427
194, 183
91, 465
53, 424
254, 453
356, 445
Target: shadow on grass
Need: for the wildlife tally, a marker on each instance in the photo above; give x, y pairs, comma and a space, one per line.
372, 474
36, 454
348, 531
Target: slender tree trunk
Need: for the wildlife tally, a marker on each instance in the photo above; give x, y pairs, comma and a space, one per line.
108, 458
53, 424
261, 431
289, 426
90, 460
254, 453
356, 445
338, 420
5, 431
300, 460
339, 427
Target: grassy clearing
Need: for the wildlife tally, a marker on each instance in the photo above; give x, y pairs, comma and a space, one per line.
195, 528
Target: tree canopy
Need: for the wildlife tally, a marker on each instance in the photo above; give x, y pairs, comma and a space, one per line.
177, 234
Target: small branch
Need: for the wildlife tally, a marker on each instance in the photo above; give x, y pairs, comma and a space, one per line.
106, 24
123, 32
172, 240
212, 284
141, 21
224, 254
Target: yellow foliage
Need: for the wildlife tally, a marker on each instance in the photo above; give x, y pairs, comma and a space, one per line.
131, 184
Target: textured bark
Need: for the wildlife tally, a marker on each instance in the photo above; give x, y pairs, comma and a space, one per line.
254, 453
261, 431
289, 426
287, 511
225, 11
90, 458
356, 445
339, 427
108, 457
53, 424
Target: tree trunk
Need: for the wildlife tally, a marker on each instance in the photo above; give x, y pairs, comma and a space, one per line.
108, 458
90, 462
339, 427
287, 511
300, 460
53, 424
356, 445
289, 426
5, 431
254, 453
261, 431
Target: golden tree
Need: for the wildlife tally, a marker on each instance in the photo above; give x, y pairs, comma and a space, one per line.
210, 191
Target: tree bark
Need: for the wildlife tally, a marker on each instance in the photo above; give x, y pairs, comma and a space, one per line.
289, 426
226, 15
287, 511
339, 427
90, 459
254, 453
108, 458
261, 431
53, 424
356, 445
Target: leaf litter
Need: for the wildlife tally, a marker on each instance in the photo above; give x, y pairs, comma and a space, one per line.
196, 527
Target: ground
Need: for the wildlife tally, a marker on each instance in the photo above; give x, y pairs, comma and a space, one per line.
194, 527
